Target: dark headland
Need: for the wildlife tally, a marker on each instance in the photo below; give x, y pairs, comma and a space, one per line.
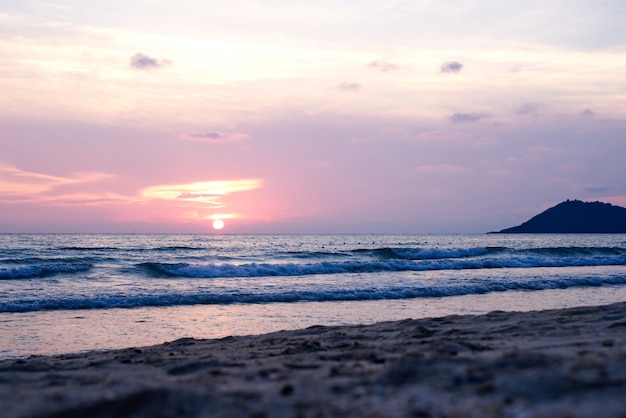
575, 217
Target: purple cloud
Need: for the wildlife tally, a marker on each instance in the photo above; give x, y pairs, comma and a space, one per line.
215, 137
588, 113
468, 117
145, 62
529, 108
345, 86
597, 189
383, 65
451, 67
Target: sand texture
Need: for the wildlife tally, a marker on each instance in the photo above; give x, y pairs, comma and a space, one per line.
558, 363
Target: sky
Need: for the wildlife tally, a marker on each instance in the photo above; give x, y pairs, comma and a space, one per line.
291, 116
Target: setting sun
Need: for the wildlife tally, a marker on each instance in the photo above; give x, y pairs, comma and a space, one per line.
218, 224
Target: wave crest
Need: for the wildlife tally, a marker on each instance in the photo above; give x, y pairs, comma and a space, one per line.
43, 270
316, 295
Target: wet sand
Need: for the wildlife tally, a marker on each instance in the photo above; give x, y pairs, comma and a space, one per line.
556, 363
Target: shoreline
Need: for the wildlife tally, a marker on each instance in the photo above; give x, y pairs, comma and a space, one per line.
66, 332
560, 362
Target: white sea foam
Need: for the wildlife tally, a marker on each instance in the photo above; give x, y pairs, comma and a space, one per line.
73, 272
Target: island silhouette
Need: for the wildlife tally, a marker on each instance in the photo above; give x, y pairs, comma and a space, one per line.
575, 217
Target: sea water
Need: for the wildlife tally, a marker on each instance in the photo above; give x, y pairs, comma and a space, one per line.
61, 293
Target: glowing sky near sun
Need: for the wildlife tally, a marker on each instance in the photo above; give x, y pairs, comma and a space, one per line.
368, 116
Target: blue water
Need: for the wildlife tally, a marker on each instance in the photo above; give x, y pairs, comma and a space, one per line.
45, 274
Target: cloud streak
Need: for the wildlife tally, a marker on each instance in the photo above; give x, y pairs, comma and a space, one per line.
346, 86
439, 168
468, 117
19, 187
215, 137
199, 200
383, 65
209, 192
25, 185
190, 201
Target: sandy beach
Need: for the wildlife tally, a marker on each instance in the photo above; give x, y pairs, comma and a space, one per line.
556, 363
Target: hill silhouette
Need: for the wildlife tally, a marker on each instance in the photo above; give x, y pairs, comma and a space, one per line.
575, 217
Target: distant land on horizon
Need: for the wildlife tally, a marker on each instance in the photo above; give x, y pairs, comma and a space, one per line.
575, 217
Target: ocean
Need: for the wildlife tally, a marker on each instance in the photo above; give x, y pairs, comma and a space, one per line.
63, 293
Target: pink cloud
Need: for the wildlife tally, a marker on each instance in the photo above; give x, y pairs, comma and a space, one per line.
346, 86
24, 186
